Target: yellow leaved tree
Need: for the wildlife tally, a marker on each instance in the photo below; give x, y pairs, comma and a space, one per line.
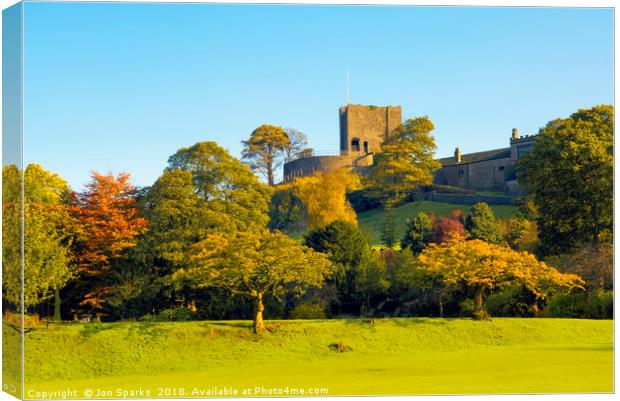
480, 266
323, 196
255, 264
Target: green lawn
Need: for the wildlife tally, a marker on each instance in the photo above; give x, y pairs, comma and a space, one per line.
391, 356
371, 220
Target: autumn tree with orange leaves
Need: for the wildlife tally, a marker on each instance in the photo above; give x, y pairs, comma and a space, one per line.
480, 267
108, 224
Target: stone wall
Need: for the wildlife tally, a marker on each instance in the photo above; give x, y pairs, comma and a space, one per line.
368, 124
309, 165
462, 199
486, 175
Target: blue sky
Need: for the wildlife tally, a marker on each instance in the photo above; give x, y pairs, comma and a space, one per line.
120, 87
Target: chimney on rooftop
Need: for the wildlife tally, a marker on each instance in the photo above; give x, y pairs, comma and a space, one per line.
515, 133
457, 154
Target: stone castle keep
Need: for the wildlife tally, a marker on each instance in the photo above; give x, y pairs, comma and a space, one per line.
363, 128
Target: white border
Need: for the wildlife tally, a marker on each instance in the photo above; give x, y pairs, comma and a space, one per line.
508, 3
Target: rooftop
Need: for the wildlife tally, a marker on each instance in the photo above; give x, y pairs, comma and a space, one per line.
477, 157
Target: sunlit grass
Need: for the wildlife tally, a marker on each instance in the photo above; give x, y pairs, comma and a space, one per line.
389, 356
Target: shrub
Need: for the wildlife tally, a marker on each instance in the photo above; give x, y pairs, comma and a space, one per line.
448, 228
176, 314
308, 311
599, 305
15, 319
340, 347
466, 307
566, 305
363, 200
513, 301
447, 189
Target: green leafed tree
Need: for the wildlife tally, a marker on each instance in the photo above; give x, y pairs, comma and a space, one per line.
481, 224
286, 210
265, 149
389, 228
345, 245
227, 186
370, 279
405, 161
178, 217
419, 233
203, 191
48, 262
255, 264
569, 175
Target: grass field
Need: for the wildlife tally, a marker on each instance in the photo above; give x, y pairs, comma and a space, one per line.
371, 220
391, 356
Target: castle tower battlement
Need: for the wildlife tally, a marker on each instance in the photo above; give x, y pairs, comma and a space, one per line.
363, 128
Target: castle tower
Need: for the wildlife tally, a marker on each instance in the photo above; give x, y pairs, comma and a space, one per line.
363, 128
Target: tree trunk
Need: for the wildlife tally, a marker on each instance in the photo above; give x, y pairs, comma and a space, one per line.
258, 314
57, 302
479, 312
440, 306
535, 309
270, 174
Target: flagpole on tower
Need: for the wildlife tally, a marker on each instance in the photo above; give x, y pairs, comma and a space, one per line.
348, 85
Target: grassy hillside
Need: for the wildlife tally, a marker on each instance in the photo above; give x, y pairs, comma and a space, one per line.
371, 220
391, 356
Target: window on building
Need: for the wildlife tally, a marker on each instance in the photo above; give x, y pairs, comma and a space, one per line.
355, 145
365, 147
501, 168
461, 173
523, 149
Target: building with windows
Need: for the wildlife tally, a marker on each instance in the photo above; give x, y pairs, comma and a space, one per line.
490, 170
363, 129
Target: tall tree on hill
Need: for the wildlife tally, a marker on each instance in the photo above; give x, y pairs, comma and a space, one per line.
389, 228
264, 149
108, 224
569, 175
255, 264
405, 161
481, 224
297, 143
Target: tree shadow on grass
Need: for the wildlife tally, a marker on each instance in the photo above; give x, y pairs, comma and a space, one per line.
151, 329
416, 321
90, 329
225, 323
